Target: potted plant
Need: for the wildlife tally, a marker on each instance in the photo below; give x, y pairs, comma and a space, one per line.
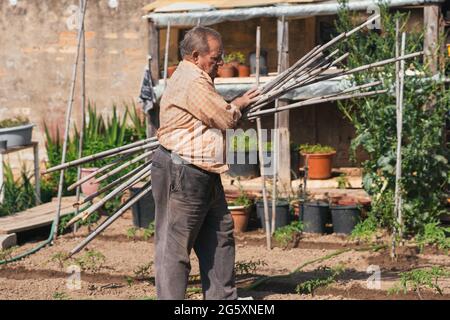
242, 68
315, 215
346, 213
318, 159
227, 70
282, 213
240, 211
16, 131
242, 156
171, 68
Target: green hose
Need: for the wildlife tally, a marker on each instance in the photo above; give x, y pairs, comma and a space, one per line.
34, 250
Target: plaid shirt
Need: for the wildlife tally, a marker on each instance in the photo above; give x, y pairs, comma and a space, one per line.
193, 118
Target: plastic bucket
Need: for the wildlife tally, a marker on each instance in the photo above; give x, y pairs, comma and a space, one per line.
345, 218
282, 217
315, 216
143, 210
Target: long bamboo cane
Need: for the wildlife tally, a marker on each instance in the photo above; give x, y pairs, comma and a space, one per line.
137, 177
83, 109
135, 146
260, 147
147, 188
124, 165
314, 101
67, 122
111, 185
166, 53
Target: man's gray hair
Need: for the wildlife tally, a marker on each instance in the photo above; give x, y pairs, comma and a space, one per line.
196, 39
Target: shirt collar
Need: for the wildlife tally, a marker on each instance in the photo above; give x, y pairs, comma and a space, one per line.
189, 64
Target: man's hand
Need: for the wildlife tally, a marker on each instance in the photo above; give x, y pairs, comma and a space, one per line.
249, 97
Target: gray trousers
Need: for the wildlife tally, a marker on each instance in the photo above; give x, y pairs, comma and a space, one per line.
191, 212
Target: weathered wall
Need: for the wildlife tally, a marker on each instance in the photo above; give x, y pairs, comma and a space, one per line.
37, 51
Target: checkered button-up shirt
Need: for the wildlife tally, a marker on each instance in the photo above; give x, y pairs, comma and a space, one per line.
193, 118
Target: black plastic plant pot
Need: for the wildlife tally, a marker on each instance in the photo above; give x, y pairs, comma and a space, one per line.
345, 218
143, 210
241, 166
315, 216
282, 218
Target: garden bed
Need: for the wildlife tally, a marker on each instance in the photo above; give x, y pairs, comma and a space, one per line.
116, 271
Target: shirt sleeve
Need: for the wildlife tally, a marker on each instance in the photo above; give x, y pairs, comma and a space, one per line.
208, 106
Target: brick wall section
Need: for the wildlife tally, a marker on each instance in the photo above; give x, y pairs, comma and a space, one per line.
38, 45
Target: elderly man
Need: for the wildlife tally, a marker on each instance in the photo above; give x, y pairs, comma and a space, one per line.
191, 210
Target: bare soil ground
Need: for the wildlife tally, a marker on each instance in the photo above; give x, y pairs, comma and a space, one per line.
41, 276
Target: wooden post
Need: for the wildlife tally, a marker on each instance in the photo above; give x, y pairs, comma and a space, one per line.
284, 169
153, 61
37, 178
431, 16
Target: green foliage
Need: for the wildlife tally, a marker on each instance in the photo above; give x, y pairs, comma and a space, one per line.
244, 142
14, 122
434, 234
248, 267
6, 254
131, 232
91, 260
19, 194
365, 230
99, 134
149, 231
342, 181
310, 286
417, 280
142, 272
93, 218
235, 56
60, 296
61, 258
315, 148
285, 234
425, 168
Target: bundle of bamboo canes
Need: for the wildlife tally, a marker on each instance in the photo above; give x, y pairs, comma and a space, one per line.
314, 67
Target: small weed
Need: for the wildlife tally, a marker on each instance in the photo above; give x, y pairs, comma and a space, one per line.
129, 280
149, 231
60, 258
342, 181
194, 290
92, 260
142, 272
243, 267
6, 254
60, 296
434, 234
418, 279
285, 234
310, 286
131, 233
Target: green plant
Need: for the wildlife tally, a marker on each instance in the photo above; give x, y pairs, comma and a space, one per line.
248, 267
60, 296
342, 181
310, 286
149, 231
244, 142
88, 222
425, 168
285, 234
131, 232
235, 56
417, 280
60, 258
315, 148
6, 254
365, 230
14, 122
129, 280
92, 260
433, 234
19, 194
142, 272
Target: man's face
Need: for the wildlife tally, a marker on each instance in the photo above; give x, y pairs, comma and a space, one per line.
210, 62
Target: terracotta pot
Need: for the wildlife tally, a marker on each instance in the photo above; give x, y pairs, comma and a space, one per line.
171, 70
226, 71
243, 70
319, 165
240, 215
91, 186
351, 201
